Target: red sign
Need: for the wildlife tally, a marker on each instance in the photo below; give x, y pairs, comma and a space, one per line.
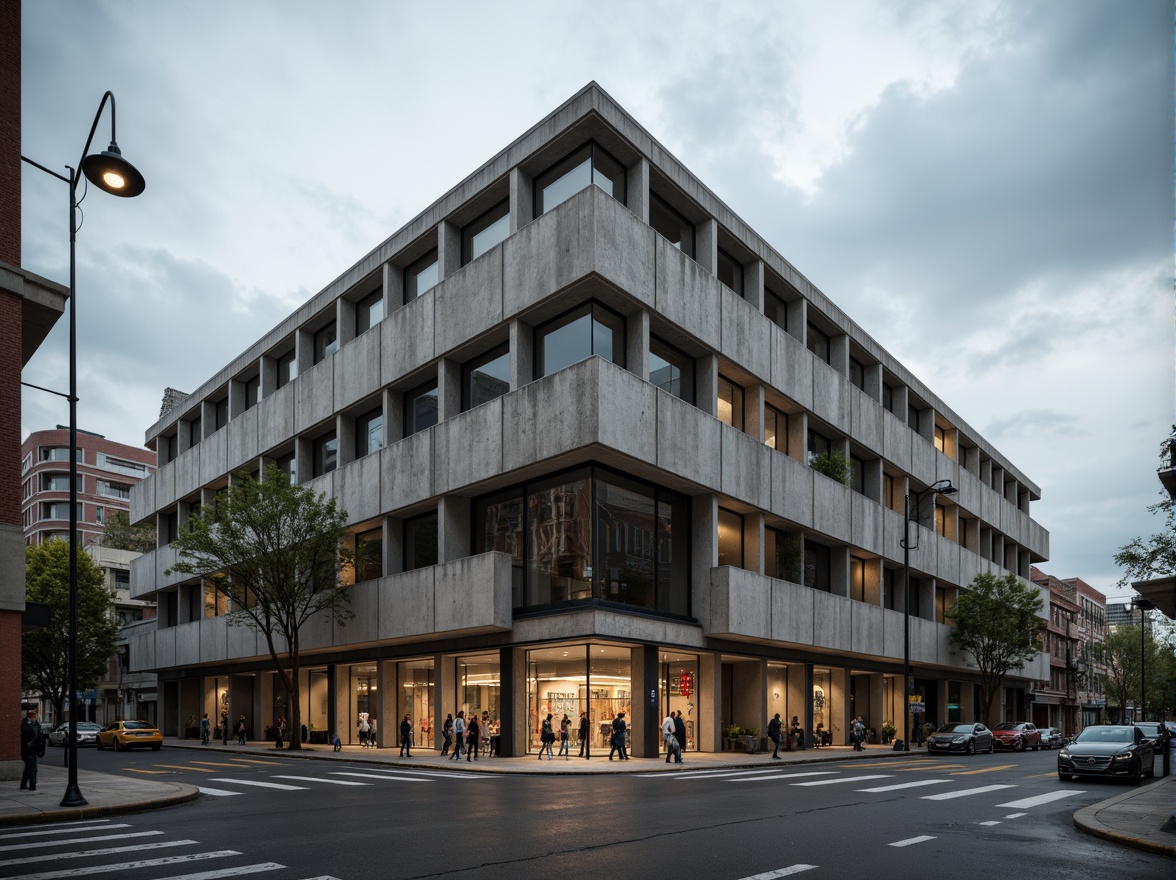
686, 683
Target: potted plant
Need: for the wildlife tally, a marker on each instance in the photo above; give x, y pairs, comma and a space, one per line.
751, 739
888, 731
833, 465
731, 736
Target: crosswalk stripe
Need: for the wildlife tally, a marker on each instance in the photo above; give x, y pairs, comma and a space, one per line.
847, 779
911, 840
440, 774
228, 872
989, 822
1040, 799
130, 866
105, 851
318, 779
728, 773
780, 872
278, 785
217, 792
1015, 815
900, 785
984, 770
13, 847
73, 828
774, 776
324, 877
948, 795
386, 776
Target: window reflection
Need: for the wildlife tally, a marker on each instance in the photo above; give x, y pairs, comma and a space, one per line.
675, 228
421, 276
420, 409
730, 538
730, 409
579, 334
484, 233
671, 370
559, 541
588, 165
486, 378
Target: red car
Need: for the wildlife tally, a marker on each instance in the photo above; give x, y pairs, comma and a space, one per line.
1016, 735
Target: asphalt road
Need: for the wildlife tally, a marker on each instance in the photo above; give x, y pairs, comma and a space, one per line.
288, 819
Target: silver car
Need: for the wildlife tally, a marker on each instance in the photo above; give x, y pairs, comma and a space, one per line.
1051, 738
87, 734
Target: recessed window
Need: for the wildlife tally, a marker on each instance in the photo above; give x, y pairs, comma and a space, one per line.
486, 377
288, 465
940, 439
369, 432
167, 447
857, 373
252, 392
60, 483
818, 343
816, 566
857, 579
818, 445
369, 311
421, 276
326, 454
857, 472
671, 370
579, 334
222, 413
58, 453
781, 555
730, 272
730, 538
913, 417
675, 228
420, 541
369, 555
588, 165
420, 408
775, 308
484, 233
287, 368
59, 510
326, 342
888, 397
730, 409
194, 431
775, 428
941, 520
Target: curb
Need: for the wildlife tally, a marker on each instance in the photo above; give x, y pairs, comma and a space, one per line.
1086, 821
185, 795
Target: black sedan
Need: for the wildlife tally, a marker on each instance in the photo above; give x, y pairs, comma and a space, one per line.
87, 734
966, 737
1111, 750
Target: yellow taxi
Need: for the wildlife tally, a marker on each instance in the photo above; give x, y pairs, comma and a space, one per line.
127, 734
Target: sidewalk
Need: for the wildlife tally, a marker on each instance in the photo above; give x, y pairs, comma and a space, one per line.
1143, 817
107, 794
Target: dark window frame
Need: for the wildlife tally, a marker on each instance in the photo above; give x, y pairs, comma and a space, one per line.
470, 367
558, 170
818, 342
411, 548
480, 224
410, 398
685, 365
364, 307
326, 341
741, 411
287, 367
727, 263
324, 461
590, 309
363, 432
656, 202
413, 272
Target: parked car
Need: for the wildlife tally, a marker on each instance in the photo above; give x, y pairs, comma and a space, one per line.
964, 736
1051, 738
87, 733
1017, 735
1151, 729
1109, 750
128, 734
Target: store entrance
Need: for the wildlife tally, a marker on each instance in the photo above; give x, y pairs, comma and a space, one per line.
678, 678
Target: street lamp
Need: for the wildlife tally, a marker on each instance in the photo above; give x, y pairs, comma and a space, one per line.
110, 172
942, 487
1143, 605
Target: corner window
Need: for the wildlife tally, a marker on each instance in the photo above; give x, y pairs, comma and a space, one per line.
730, 408
369, 311
672, 226
588, 165
420, 408
818, 343
326, 342
671, 370
486, 378
484, 233
287, 368
730, 272
730, 538
326, 454
579, 334
369, 555
421, 276
775, 308
369, 432
420, 541
775, 428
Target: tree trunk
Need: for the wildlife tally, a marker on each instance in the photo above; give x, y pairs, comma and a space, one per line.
294, 693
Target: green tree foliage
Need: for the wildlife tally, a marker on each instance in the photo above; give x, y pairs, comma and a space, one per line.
833, 465
996, 620
1121, 653
1146, 558
119, 534
45, 653
275, 551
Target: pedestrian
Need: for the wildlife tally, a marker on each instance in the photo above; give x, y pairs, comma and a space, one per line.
546, 738
669, 738
585, 728
337, 743
796, 732
917, 734
224, 728
484, 727
459, 727
241, 731
205, 727
857, 733
279, 729
32, 747
564, 735
446, 734
364, 730
617, 740
775, 734
406, 737
372, 741
473, 736
680, 735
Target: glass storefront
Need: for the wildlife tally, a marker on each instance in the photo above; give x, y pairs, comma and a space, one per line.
678, 677
415, 699
363, 697
316, 705
568, 680
479, 692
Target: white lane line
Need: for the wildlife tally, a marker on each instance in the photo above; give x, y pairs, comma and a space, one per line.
324, 877
318, 779
227, 872
440, 774
901, 785
847, 779
786, 776
1015, 815
912, 840
218, 792
130, 866
105, 851
73, 829
278, 785
780, 872
989, 822
768, 771
384, 776
947, 796
697, 774
1025, 803
40, 844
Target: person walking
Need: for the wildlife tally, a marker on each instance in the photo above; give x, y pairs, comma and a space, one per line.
858, 729
205, 728
669, 738
680, 735
564, 735
32, 747
585, 729
473, 735
484, 727
279, 731
546, 738
406, 737
775, 734
364, 730
241, 731
617, 740
796, 732
224, 728
459, 729
446, 734
372, 741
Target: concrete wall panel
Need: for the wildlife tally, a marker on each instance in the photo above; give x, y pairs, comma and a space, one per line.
831, 396
551, 415
275, 418
792, 489
469, 447
364, 625
406, 471
746, 335
357, 371
314, 397
792, 367
831, 506
469, 303
406, 604
688, 441
832, 616
746, 467
214, 456
792, 613
242, 437
866, 634
628, 413
688, 295
406, 339
358, 485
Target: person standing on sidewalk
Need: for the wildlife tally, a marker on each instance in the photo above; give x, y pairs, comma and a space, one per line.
240, 730
205, 727
775, 734
446, 735
668, 737
585, 729
546, 738
406, 737
565, 733
224, 727
617, 740
459, 727
32, 747
473, 735
680, 735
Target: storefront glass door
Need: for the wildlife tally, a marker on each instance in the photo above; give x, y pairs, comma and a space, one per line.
416, 699
678, 675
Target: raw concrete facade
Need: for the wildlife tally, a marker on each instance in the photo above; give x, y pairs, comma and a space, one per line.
793, 609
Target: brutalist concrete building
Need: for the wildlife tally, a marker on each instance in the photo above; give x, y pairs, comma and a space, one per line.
581, 417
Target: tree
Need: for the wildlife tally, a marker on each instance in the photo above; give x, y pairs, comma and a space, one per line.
45, 653
119, 534
997, 621
1145, 558
275, 551
1121, 652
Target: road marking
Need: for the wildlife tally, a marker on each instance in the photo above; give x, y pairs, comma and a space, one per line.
900, 785
72, 829
229, 872
185, 767
912, 840
217, 792
946, 796
12, 847
319, 779
386, 776
235, 764
710, 774
279, 786
934, 768
780, 872
1025, 803
847, 779
990, 822
786, 776
268, 763
1015, 815
984, 770
324, 877
105, 851
149, 772
438, 774
129, 866
1044, 775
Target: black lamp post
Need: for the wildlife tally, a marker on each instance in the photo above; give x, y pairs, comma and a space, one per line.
941, 487
110, 172
1143, 605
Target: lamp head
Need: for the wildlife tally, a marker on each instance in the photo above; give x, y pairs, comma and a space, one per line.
946, 489
110, 172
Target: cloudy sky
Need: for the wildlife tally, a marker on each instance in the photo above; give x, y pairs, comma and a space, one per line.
985, 186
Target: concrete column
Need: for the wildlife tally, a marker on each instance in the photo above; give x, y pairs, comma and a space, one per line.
448, 249
637, 189
236, 398
706, 384
388, 705
704, 550
753, 411
877, 713
303, 459
453, 528
508, 672
303, 350
872, 479
448, 388
798, 319
345, 432
332, 702
839, 706
898, 397
392, 277
514, 694
394, 545
345, 320
839, 571
444, 694
839, 353
798, 436
646, 718
522, 199
393, 415
706, 245
637, 344
710, 698
269, 376
522, 354
753, 542
872, 376
753, 284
